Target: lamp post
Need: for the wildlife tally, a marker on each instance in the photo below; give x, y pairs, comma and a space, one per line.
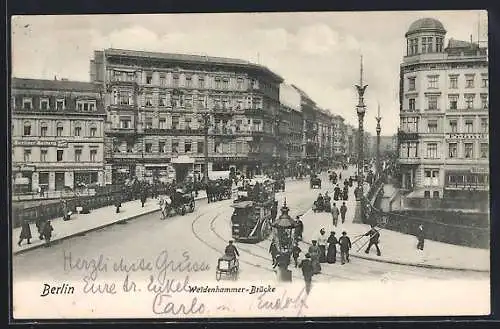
284, 227
378, 118
360, 109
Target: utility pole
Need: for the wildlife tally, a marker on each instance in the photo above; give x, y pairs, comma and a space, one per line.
378, 118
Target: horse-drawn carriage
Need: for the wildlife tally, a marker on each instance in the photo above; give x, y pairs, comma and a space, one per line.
228, 266
315, 182
218, 190
322, 204
179, 203
279, 185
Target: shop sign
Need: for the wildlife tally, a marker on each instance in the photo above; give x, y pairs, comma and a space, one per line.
479, 170
35, 143
466, 136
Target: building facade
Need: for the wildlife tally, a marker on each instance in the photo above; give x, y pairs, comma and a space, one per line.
57, 134
292, 117
155, 104
444, 128
339, 138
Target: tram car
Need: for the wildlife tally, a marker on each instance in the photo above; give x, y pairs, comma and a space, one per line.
255, 209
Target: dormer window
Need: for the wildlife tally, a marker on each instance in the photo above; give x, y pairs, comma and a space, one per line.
44, 104
60, 104
27, 103
427, 44
439, 44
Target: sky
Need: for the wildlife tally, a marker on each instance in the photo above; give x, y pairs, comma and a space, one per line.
318, 52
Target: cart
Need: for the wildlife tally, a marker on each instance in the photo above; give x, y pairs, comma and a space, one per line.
228, 266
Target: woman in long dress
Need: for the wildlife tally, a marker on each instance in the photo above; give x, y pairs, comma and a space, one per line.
331, 255
314, 252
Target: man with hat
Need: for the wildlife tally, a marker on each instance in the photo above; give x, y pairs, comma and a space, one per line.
322, 240
345, 245
231, 250
314, 252
420, 238
374, 238
307, 271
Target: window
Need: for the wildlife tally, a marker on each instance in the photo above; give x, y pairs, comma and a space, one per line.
175, 146
60, 154
413, 46
433, 82
432, 102
175, 122
189, 101
149, 78
27, 104
78, 131
453, 150
43, 131
161, 147
27, 155
225, 83
149, 100
162, 123
484, 150
432, 151
427, 43
187, 123
484, 101
43, 155
176, 80
484, 125
85, 106
162, 100
469, 126
239, 84
439, 44
412, 150
130, 147
201, 82
59, 130
453, 99
27, 129
93, 155
217, 83
93, 131
431, 177
148, 147
469, 81
125, 123
239, 147
432, 126
78, 155
435, 194
149, 123
453, 82
44, 104
453, 126
411, 104
469, 150
411, 83
163, 80
187, 146
484, 83
200, 147
60, 104
189, 82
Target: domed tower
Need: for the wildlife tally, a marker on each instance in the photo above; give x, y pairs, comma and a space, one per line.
425, 36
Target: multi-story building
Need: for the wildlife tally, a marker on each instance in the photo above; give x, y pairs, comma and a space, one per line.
443, 137
155, 103
339, 139
351, 146
325, 139
57, 134
292, 114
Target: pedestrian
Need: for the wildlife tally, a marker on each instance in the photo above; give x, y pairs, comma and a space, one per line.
343, 210
118, 203
40, 224
335, 214
331, 255
374, 239
143, 197
25, 232
322, 239
345, 193
299, 229
307, 271
420, 238
336, 193
345, 246
296, 252
47, 232
314, 252
273, 250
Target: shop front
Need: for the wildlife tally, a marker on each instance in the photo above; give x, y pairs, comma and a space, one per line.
471, 183
184, 167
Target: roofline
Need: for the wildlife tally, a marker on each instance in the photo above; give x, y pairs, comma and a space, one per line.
242, 63
15, 80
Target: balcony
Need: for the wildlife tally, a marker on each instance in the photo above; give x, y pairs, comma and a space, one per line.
122, 107
467, 136
174, 132
409, 161
471, 111
405, 136
120, 131
123, 82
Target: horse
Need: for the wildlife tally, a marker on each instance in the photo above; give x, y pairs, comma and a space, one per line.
165, 206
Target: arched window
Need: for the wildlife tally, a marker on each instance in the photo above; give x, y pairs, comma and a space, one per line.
59, 129
27, 128
43, 129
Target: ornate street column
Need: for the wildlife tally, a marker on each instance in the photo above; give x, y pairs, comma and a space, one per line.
378, 118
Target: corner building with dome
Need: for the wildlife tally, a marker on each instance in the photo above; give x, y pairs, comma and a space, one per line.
443, 134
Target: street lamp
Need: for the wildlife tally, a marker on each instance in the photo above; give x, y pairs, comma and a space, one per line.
360, 109
284, 226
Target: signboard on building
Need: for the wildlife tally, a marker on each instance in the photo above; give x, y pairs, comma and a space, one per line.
61, 144
466, 136
479, 170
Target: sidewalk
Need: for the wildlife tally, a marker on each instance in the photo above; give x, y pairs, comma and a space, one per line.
84, 223
397, 248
